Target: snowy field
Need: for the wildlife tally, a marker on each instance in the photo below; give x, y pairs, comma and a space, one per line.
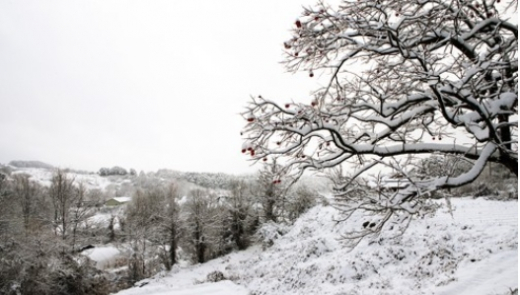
44, 177
474, 252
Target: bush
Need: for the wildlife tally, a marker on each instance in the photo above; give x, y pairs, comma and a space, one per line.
270, 232
215, 276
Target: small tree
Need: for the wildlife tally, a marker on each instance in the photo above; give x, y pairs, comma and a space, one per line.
406, 78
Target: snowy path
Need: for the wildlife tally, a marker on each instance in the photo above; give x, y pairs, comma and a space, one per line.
219, 288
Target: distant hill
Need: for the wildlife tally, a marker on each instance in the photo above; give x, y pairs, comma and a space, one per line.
125, 182
203, 179
30, 164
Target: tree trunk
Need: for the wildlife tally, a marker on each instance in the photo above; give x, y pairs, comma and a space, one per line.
173, 244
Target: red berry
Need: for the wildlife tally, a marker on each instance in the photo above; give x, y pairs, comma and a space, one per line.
313, 104
278, 143
287, 46
265, 159
311, 74
252, 152
433, 138
296, 54
279, 181
249, 149
316, 18
298, 24
250, 119
243, 151
287, 105
440, 138
274, 181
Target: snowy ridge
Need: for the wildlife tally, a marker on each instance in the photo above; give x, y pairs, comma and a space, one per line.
473, 252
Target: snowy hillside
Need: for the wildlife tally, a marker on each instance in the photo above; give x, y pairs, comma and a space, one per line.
44, 176
473, 252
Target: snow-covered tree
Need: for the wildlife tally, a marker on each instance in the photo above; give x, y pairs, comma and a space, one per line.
404, 78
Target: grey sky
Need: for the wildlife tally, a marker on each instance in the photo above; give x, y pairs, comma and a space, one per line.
140, 84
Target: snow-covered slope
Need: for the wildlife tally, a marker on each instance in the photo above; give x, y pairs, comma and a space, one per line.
474, 252
44, 177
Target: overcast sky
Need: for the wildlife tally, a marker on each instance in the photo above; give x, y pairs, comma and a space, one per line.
140, 84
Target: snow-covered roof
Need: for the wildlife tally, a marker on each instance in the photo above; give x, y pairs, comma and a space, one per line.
122, 199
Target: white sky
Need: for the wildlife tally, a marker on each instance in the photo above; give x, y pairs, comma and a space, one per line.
140, 84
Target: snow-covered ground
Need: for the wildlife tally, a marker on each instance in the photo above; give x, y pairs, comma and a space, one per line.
44, 177
474, 252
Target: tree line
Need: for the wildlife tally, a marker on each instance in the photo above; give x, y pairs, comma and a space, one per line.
44, 229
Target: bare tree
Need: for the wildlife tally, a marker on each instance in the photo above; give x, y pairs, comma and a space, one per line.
171, 225
61, 193
198, 222
239, 213
143, 218
406, 78
27, 193
79, 212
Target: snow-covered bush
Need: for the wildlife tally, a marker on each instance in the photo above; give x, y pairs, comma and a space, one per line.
269, 232
215, 276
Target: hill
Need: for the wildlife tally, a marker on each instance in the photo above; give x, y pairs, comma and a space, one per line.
475, 251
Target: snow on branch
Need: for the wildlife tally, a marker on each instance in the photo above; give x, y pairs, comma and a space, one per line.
407, 78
